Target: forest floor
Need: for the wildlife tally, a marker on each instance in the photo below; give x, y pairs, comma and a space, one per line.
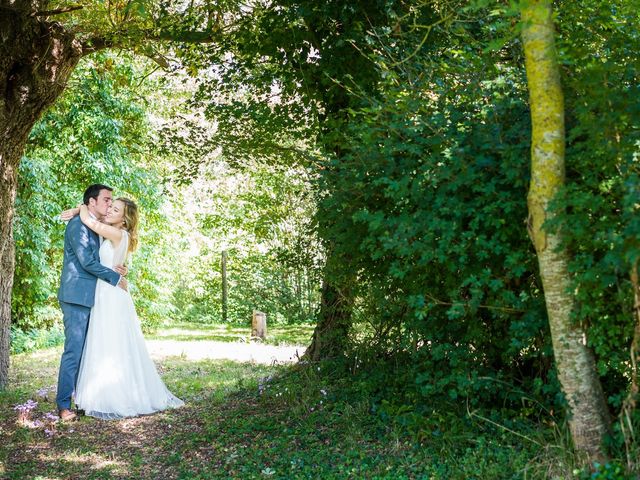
253, 411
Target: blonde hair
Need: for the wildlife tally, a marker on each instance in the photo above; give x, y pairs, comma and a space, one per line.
130, 221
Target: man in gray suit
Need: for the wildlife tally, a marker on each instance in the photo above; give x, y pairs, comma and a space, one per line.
81, 269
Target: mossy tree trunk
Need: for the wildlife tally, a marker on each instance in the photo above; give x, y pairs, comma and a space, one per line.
589, 419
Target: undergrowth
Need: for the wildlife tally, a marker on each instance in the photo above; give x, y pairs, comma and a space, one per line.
306, 421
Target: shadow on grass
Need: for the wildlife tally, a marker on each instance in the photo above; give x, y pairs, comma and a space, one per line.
91, 448
250, 421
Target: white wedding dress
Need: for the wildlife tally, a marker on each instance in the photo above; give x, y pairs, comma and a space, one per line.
117, 377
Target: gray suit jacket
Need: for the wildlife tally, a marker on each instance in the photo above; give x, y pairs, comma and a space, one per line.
81, 265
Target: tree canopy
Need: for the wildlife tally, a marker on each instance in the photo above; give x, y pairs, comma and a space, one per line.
366, 167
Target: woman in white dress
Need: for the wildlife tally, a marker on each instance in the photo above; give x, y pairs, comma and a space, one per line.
117, 377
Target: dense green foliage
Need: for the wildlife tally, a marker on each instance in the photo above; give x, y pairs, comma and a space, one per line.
95, 134
603, 194
379, 147
421, 186
423, 176
35, 338
435, 226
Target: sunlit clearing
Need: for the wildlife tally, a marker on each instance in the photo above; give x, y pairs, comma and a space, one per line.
93, 460
237, 352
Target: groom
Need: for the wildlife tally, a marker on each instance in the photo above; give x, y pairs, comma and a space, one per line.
81, 269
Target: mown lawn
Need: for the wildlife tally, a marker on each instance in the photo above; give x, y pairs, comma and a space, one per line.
276, 334
253, 421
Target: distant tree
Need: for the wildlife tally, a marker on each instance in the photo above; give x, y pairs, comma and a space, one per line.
309, 54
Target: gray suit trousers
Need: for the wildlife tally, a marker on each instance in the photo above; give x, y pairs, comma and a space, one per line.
76, 322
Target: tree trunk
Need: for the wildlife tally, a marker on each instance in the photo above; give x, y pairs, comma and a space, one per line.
332, 331
627, 412
225, 290
589, 418
36, 60
7, 263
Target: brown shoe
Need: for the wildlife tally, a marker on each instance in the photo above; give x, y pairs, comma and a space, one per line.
67, 415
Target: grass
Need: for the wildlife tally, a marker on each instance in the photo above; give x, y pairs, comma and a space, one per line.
250, 421
276, 334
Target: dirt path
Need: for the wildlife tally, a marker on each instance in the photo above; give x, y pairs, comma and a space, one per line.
236, 351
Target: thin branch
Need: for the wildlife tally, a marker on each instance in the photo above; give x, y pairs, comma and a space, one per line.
144, 77
110, 15
424, 39
387, 49
488, 307
97, 43
488, 420
58, 11
126, 11
415, 52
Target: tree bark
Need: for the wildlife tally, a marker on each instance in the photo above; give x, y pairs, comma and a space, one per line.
36, 60
589, 418
631, 400
225, 290
334, 323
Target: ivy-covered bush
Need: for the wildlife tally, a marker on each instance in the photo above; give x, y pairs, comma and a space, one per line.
430, 206
601, 202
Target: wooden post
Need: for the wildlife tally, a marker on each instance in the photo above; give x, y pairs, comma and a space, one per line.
224, 286
259, 324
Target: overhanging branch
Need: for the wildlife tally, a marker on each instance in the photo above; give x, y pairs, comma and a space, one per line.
59, 11
122, 40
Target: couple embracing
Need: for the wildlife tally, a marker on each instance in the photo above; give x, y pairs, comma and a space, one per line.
105, 359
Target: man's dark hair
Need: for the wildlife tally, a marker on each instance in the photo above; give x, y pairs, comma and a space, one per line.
93, 191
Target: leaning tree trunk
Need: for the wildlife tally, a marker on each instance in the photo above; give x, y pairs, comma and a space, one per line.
589, 418
334, 323
36, 60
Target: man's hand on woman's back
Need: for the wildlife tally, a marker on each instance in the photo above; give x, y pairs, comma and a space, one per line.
122, 270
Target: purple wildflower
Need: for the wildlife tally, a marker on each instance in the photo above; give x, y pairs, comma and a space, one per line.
24, 410
53, 418
44, 392
26, 407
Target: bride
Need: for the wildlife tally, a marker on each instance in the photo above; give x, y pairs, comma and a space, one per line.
117, 377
